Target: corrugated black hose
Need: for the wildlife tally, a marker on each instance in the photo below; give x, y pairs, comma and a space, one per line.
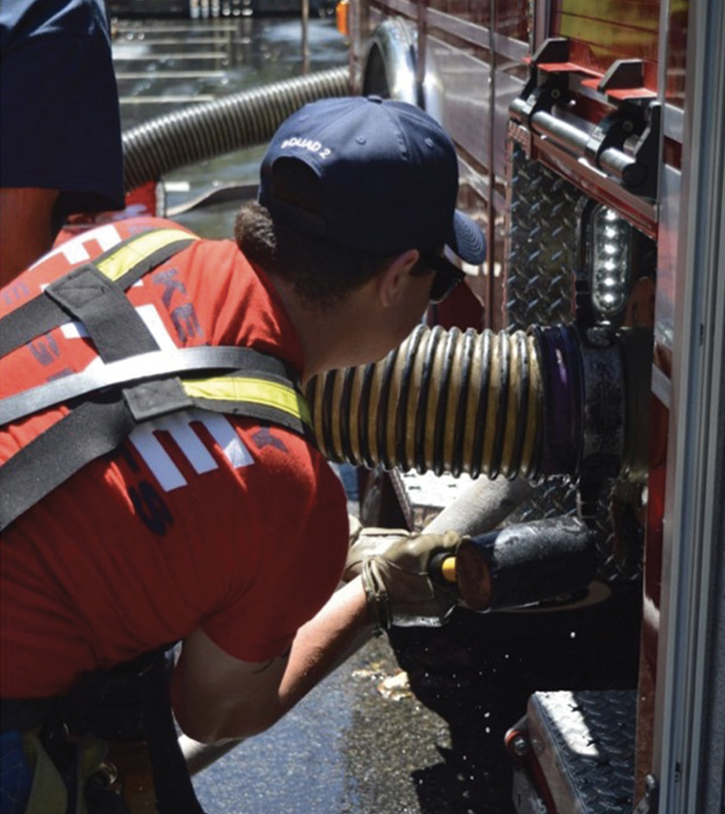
221, 126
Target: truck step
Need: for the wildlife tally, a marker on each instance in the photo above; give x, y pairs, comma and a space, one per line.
584, 744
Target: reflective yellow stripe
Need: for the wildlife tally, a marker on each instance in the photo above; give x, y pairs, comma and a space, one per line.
122, 260
253, 391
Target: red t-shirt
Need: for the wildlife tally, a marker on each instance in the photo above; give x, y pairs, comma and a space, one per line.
198, 519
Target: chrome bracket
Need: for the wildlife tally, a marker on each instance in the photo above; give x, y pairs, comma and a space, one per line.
624, 145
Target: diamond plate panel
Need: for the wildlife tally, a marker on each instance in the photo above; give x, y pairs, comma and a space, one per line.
538, 282
585, 742
541, 246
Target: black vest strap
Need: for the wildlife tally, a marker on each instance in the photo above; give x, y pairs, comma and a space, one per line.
52, 457
96, 428
117, 331
41, 314
172, 783
128, 702
139, 368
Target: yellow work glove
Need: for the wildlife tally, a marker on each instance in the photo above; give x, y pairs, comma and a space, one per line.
399, 585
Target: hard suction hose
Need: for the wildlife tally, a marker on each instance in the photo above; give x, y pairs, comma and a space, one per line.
523, 404
228, 123
443, 401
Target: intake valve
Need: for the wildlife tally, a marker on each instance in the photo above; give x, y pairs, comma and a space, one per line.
522, 564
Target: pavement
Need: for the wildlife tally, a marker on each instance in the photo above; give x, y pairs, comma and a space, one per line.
360, 743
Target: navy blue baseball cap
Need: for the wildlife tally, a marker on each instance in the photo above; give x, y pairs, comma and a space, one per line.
386, 178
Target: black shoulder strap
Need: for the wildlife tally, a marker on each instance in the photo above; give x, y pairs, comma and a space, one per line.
138, 382
124, 264
140, 368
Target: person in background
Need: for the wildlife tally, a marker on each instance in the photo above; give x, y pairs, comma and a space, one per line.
199, 510
60, 131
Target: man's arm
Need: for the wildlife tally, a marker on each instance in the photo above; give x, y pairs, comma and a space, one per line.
217, 696
26, 231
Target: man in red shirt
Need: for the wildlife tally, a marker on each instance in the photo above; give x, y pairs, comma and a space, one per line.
224, 531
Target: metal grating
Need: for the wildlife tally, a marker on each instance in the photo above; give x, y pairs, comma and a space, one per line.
541, 221
541, 226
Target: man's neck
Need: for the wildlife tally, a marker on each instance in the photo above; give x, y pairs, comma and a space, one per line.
334, 336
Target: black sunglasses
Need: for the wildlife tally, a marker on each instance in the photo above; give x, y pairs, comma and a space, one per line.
447, 277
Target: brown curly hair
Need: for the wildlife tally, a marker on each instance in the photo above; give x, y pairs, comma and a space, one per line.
320, 272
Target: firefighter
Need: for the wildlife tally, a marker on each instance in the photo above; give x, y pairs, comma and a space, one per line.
160, 479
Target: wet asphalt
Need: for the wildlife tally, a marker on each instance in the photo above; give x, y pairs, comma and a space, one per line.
360, 743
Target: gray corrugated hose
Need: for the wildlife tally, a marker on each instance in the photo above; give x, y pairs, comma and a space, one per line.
215, 128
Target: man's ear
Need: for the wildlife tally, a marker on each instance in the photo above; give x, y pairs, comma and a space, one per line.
393, 281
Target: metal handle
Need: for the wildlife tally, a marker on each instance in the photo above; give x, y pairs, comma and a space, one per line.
579, 142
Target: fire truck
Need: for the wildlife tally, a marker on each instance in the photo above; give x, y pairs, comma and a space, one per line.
591, 142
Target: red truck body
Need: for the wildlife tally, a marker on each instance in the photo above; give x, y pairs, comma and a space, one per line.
559, 110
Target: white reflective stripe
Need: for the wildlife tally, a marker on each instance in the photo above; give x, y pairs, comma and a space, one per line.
148, 313
75, 330
178, 426
75, 251
226, 436
157, 459
155, 324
